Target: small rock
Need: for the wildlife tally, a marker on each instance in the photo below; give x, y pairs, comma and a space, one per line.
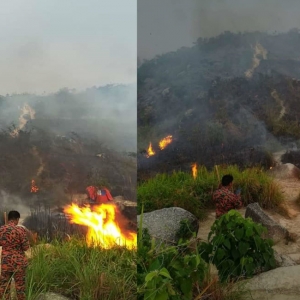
51, 296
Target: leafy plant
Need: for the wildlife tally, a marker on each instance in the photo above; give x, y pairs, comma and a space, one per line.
167, 272
236, 247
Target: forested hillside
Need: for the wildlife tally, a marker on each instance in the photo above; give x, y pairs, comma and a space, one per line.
227, 99
66, 141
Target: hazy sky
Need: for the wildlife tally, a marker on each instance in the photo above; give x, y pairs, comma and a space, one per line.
50, 44
166, 25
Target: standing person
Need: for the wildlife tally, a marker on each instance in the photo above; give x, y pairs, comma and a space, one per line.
14, 243
224, 198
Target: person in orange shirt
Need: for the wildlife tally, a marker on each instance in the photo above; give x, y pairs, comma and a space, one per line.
225, 199
14, 243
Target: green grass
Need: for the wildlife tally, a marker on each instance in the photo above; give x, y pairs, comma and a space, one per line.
195, 195
79, 272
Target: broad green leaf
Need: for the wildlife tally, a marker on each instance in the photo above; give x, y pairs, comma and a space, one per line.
155, 265
220, 254
227, 244
150, 276
243, 248
163, 295
235, 254
186, 286
150, 295
164, 272
239, 233
249, 232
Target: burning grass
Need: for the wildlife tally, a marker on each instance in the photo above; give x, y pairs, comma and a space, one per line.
80, 272
195, 194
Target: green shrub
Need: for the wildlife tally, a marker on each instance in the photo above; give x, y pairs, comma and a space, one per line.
195, 195
178, 272
167, 272
236, 248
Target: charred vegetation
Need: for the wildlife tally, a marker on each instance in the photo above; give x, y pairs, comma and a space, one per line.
227, 100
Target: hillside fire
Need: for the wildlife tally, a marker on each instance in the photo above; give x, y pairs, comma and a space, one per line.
194, 170
150, 151
165, 142
34, 188
103, 228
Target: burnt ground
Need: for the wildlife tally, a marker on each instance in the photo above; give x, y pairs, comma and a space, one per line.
220, 99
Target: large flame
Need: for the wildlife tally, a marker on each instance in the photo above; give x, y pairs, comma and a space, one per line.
150, 151
165, 142
34, 188
103, 230
194, 170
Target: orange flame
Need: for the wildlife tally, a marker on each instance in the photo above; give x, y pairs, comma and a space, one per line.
165, 142
103, 230
34, 188
194, 170
150, 151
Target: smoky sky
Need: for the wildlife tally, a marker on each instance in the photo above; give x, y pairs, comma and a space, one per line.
48, 45
167, 25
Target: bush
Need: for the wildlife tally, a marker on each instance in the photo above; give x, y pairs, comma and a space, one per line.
178, 273
169, 272
195, 195
236, 248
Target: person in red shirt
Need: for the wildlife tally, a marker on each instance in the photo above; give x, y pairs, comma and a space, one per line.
14, 243
225, 199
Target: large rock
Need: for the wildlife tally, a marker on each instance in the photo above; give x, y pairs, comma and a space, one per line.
163, 224
277, 281
275, 231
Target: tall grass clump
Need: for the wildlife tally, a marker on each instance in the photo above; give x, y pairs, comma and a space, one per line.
195, 195
80, 272
178, 189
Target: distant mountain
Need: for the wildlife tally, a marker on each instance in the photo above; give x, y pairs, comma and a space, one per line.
66, 141
233, 91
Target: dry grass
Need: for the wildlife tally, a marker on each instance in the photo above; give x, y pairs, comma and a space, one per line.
212, 289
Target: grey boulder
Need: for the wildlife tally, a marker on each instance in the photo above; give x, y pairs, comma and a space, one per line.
275, 231
163, 224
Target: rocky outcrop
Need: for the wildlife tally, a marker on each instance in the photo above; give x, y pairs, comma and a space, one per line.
279, 280
275, 231
163, 224
283, 260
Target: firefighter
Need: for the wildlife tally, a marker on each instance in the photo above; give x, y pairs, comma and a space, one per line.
14, 243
